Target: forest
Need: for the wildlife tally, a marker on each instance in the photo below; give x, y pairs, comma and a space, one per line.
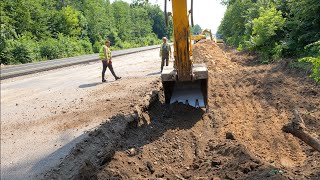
37, 30
276, 30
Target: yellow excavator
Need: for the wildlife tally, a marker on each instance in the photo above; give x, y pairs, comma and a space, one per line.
207, 31
185, 81
197, 38
202, 35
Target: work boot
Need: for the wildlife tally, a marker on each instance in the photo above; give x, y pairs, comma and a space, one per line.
103, 80
118, 78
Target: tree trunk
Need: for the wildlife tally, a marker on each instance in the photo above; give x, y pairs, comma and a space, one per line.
298, 129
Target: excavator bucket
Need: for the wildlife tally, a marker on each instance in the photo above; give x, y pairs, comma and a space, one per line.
193, 93
186, 82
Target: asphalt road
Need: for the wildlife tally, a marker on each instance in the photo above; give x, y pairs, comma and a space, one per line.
35, 107
23, 69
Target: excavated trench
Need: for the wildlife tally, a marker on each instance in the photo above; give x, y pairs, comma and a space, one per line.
158, 141
240, 138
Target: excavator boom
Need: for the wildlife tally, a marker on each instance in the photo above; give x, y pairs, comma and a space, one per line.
184, 82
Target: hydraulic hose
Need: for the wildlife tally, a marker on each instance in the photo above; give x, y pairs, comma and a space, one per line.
165, 13
191, 13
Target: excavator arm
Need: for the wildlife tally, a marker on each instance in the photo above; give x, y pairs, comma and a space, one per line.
207, 31
184, 82
182, 43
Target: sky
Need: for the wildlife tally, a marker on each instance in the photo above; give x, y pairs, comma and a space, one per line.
207, 13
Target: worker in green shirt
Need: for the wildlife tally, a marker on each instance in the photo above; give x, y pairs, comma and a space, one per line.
105, 56
165, 52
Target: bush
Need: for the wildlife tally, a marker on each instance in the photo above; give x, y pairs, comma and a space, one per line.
315, 61
87, 46
313, 50
264, 32
22, 53
96, 47
5, 53
49, 49
64, 46
22, 50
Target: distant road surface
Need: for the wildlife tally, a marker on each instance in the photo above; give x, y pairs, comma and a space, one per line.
23, 69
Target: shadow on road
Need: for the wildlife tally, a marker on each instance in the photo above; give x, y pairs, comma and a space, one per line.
22, 171
89, 85
155, 73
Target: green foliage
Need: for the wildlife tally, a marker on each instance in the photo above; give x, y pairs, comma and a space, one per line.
23, 50
266, 25
313, 50
86, 46
34, 30
264, 32
274, 29
303, 24
68, 21
315, 61
157, 17
196, 29
49, 49
96, 46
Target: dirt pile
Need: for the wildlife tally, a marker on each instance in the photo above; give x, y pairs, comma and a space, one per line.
99, 146
211, 54
240, 138
180, 143
254, 101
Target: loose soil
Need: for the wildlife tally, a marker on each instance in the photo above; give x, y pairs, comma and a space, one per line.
44, 115
239, 138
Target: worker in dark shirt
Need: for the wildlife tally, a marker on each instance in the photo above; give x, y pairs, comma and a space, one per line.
165, 52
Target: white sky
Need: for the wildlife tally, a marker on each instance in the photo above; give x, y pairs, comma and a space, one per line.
207, 13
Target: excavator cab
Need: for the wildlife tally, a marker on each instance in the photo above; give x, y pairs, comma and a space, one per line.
185, 81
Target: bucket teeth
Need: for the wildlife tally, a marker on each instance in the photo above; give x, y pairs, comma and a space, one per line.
188, 93
196, 103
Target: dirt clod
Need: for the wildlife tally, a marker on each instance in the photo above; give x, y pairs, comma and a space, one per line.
230, 135
132, 152
150, 167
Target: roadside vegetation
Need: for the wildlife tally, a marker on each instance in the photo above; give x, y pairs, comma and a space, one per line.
36, 30
276, 30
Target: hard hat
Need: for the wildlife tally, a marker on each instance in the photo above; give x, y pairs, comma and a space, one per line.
164, 38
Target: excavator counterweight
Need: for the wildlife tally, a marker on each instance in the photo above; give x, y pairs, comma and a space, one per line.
185, 81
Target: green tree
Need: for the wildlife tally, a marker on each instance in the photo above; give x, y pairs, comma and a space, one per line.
68, 21
34, 30
265, 29
303, 24
196, 29
123, 21
157, 16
